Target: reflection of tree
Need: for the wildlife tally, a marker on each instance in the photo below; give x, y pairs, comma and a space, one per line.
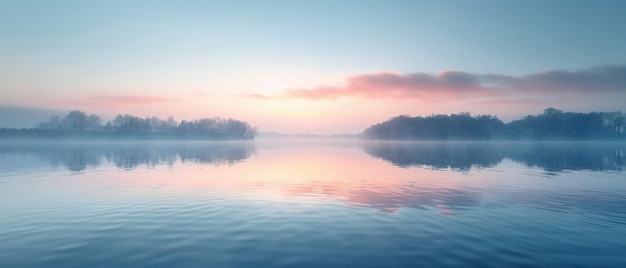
228, 153
80, 156
74, 159
456, 155
571, 156
462, 156
133, 155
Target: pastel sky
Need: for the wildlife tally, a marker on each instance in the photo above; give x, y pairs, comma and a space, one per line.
313, 66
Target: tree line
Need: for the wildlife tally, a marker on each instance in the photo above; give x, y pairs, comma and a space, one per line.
552, 124
78, 124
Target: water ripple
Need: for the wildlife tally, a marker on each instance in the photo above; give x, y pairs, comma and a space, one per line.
310, 207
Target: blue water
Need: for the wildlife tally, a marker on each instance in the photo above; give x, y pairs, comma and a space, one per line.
312, 204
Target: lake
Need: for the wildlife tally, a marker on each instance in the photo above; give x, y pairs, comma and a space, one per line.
312, 204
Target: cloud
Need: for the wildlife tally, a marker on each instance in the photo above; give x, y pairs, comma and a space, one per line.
464, 85
133, 99
256, 96
593, 80
201, 94
390, 85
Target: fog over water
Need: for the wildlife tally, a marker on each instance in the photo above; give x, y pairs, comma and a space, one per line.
456, 155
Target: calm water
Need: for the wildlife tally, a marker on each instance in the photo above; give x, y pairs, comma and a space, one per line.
312, 204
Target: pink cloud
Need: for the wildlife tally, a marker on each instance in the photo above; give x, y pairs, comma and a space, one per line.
390, 85
256, 96
451, 85
132, 99
201, 94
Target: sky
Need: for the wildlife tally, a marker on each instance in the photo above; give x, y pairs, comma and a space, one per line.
317, 67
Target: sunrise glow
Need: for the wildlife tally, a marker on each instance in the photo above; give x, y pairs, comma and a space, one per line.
299, 74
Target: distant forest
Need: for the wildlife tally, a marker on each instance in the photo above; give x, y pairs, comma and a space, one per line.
77, 124
552, 124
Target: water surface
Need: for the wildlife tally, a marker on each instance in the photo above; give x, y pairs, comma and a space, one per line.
312, 204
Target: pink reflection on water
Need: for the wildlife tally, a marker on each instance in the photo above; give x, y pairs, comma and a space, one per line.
345, 174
